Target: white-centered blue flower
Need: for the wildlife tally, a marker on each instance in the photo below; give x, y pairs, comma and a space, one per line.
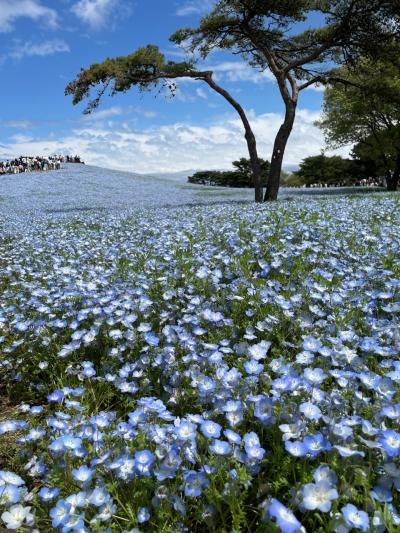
310, 411
143, 515
17, 516
220, 447
284, 517
211, 429
319, 496
355, 517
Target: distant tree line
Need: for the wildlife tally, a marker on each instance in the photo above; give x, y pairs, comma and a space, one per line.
335, 170
241, 176
364, 169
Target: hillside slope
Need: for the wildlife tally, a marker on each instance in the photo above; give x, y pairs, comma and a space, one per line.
78, 188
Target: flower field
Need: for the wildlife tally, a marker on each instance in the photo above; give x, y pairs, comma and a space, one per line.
228, 368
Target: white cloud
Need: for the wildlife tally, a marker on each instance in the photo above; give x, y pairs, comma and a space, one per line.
11, 10
45, 48
318, 87
201, 93
179, 146
240, 71
19, 138
99, 13
195, 7
17, 123
117, 111
104, 114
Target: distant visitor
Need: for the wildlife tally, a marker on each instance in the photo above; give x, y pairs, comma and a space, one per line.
36, 164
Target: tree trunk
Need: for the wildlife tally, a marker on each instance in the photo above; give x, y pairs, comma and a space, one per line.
255, 166
393, 181
281, 140
249, 136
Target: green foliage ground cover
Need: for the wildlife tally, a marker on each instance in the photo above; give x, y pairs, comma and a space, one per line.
216, 368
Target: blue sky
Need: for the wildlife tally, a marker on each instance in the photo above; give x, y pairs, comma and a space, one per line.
43, 45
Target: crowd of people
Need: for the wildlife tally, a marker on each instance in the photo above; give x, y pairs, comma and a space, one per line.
35, 164
365, 182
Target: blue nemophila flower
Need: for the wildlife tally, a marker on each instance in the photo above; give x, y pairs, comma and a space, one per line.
88, 372
78, 499
169, 465
311, 344
74, 522
342, 430
137, 417
178, 504
319, 496
36, 409
346, 451
10, 478
213, 316
143, 515
195, 483
315, 444
264, 409
310, 411
12, 425
394, 514
284, 517
48, 493
382, 494
251, 439
18, 516
99, 496
296, 448
151, 339
232, 377
232, 436
83, 474
220, 447
9, 494
60, 513
211, 429
252, 446
253, 367
144, 460
390, 442
391, 411
255, 452
152, 404
305, 358
102, 420
355, 518
314, 375
324, 473
259, 351
34, 434
185, 430
124, 466
386, 388
233, 412
66, 443
206, 386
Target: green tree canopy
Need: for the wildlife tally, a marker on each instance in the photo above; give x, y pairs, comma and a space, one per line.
241, 176
321, 169
378, 155
364, 109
